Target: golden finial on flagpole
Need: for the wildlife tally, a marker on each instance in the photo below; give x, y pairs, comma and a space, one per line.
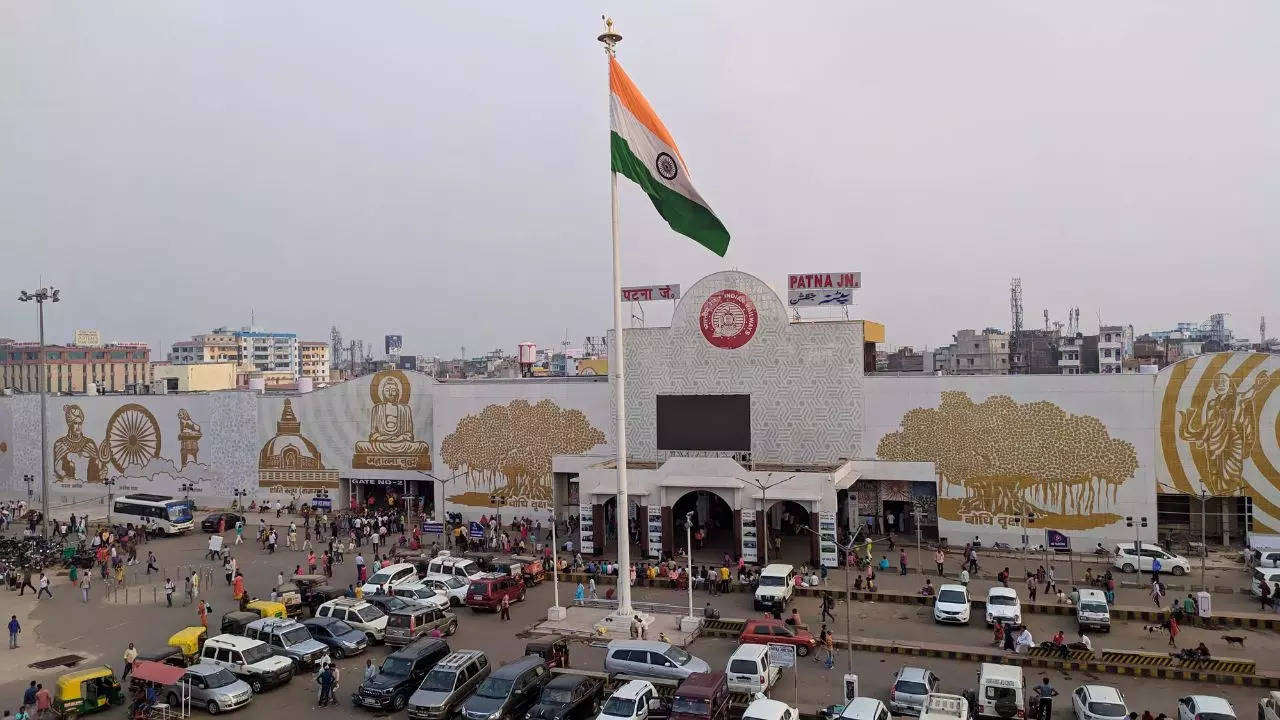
609, 37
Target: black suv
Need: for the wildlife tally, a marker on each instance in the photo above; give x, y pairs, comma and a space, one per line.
509, 691
400, 674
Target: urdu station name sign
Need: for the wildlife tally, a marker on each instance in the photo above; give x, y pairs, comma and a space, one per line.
819, 289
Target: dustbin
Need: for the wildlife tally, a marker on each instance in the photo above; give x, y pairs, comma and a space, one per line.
1204, 605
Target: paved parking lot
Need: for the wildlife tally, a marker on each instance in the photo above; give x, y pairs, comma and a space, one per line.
100, 631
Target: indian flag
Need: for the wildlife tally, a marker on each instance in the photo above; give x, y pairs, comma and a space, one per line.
642, 149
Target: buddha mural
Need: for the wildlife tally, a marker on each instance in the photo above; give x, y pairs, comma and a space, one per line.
392, 444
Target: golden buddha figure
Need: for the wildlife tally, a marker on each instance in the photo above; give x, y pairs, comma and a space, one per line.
391, 443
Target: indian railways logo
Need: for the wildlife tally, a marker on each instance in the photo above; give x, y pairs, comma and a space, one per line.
728, 319
666, 166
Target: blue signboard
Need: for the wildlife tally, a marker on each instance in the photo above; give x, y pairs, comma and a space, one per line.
475, 530
431, 527
1056, 540
322, 503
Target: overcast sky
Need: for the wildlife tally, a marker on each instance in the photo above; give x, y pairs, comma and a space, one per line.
440, 169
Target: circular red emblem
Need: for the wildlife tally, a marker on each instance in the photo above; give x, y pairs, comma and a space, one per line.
728, 319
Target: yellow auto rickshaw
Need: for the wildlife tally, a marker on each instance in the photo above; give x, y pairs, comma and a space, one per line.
267, 608
86, 691
189, 640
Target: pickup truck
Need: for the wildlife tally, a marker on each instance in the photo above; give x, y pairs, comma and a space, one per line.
939, 706
1269, 707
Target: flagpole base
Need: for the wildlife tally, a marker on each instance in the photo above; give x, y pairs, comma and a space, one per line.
557, 612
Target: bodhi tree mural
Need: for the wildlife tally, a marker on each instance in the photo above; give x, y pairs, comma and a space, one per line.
1010, 458
506, 450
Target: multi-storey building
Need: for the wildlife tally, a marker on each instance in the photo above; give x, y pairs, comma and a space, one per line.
114, 367
1070, 352
985, 353
251, 347
314, 358
1115, 345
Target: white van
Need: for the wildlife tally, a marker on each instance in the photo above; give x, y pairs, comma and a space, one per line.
749, 669
1092, 610
777, 585
461, 567
1001, 691
249, 660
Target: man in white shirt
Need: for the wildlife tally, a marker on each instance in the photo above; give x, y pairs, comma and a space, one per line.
1024, 641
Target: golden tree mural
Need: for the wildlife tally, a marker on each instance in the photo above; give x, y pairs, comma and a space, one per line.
1009, 457
507, 449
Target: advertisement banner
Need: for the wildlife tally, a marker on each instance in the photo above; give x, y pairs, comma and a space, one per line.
749, 537
1055, 540
393, 343
827, 551
655, 531
586, 531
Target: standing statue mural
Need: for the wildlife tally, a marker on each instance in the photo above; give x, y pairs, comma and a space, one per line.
1010, 459
1224, 430
506, 450
391, 444
188, 438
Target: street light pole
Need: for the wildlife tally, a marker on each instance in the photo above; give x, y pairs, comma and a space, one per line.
688, 539
1204, 549
764, 510
555, 553
110, 483
848, 593
40, 296
919, 562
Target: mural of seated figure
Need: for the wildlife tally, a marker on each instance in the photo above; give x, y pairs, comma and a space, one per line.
391, 444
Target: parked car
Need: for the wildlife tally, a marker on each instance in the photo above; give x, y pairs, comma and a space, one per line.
210, 523
635, 700
1269, 559
357, 613
702, 696
1261, 575
1003, 606
651, 658
777, 585
568, 697
863, 708
1098, 702
749, 669
249, 660
766, 630
910, 687
412, 622
508, 692
952, 605
389, 577
418, 591
1129, 561
213, 688
939, 706
461, 567
452, 585
287, 638
1205, 707
399, 675
487, 592
449, 683
341, 639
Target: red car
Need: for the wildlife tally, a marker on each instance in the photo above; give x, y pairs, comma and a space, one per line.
769, 630
487, 592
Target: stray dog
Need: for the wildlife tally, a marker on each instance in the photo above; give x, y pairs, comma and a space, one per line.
1233, 640
1155, 628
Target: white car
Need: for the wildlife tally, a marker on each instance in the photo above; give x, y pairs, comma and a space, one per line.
863, 708
633, 701
1129, 561
763, 708
1003, 606
1205, 707
1270, 559
357, 613
1261, 575
1098, 702
390, 577
952, 605
451, 585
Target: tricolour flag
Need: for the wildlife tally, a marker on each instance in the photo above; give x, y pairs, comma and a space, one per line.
642, 149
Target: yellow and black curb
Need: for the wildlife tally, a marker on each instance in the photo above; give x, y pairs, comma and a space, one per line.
1231, 671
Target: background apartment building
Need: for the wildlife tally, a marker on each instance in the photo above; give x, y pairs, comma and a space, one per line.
984, 353
314, 356
112, 367
264, 351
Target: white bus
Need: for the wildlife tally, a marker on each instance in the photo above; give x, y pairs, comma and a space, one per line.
159, 514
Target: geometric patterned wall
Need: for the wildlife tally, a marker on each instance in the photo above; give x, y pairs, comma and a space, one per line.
805, 379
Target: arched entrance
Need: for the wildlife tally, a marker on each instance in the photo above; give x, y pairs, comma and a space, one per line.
610, 531
713, 516
789, 524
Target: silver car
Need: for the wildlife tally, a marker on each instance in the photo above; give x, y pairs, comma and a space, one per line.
213, 688
910, 687
647, 658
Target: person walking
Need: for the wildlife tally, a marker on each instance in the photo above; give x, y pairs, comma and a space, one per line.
44, 702
828, 604
44, 587
902, 561
168, 591
1173, 631
1031, 587
1264, 597
325, 680
506, 607
151, 563
14, 628
130, 654
26, 583
239, 531
829, 644
86, 580
939, 559
1157, 594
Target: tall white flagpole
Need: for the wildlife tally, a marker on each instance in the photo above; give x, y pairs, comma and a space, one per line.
616, 368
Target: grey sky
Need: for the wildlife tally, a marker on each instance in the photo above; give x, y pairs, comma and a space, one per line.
440, 169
